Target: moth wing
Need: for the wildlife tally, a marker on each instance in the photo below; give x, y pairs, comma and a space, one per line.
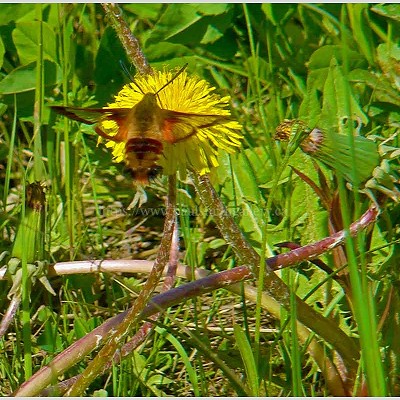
92, 115
97, 115
178, 126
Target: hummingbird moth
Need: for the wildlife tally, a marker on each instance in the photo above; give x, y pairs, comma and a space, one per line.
145, 128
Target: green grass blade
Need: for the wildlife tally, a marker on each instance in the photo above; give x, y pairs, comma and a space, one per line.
185, 358
249, 361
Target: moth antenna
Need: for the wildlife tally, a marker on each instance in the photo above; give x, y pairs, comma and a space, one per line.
176, 75
140, 89
129, 75
125, 69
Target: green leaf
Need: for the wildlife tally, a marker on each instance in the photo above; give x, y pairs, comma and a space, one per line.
50, 340
242, 195
334, 107
176, 19
3, 108
319, 66
23, 79
383, 89
162, 51
185, 358
188, 23
108, 74
304, 203
249, 362
26, 38
388, 10
144, 10
310, 108
362, 33
13, 12
321, 58
389, 61
278, 13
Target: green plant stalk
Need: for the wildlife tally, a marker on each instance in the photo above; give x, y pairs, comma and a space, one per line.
364, 312
99, 236
254, 71
203, 348
30, 232
29, 240
134, 314
66, 173
25, 298
363, 300
294, 342
39, 100
297, 135
28, 247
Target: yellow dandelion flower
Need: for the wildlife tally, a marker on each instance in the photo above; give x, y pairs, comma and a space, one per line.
169, 120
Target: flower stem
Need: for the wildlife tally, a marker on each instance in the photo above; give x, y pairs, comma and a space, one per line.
130, 42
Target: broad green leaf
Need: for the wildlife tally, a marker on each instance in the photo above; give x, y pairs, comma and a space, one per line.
108, 74
387, 10
14, 11
144, 10
319, 67
26, 39
260, 163
217, 26
321, 58
162, 51
242, 195
3, 108
213, 8
182, 23
176, 19
23, 79
310, 108
49, 340
303, 203
334, 107
224, 48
